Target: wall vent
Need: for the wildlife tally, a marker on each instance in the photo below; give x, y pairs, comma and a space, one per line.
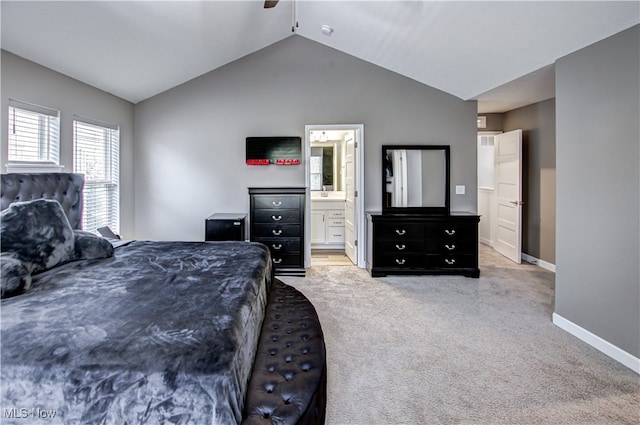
486, 140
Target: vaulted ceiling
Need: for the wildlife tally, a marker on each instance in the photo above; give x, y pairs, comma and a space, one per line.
500, 53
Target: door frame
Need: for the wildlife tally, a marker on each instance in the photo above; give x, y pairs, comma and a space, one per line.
489, 218
359, 224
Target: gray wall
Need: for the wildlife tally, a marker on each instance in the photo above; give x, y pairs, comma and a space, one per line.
29, 82
598, 202
190, 152
494, 122
538, 124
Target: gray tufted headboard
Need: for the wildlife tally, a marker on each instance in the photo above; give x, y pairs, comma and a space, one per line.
66, 188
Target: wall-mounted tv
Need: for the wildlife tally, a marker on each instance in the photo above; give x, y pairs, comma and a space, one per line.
278, 150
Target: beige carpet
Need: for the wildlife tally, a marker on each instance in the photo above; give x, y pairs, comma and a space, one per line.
455, 350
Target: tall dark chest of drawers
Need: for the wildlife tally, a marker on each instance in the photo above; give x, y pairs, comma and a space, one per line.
277, 220
423, 244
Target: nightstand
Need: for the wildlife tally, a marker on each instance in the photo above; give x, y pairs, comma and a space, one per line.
225, 227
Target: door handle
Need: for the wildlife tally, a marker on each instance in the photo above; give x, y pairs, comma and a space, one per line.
516, 203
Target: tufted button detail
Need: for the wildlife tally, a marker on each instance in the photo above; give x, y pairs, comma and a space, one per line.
66, 188
288, 390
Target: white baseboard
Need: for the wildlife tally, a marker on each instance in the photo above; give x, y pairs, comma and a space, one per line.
486, 241
598, 343
541, 263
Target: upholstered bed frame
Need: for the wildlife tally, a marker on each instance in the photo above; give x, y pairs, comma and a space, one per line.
288, 383
66, 188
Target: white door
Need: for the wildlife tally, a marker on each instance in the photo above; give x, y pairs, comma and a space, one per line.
508, 194
350, 210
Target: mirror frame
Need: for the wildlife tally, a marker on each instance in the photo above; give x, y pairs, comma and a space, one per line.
433, 210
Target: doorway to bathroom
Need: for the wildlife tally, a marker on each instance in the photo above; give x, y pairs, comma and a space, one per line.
334, 180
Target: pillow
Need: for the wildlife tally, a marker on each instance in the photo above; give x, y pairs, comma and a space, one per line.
91, 247
14, 276
38, 233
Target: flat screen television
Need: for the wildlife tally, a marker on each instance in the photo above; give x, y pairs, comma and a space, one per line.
278, 150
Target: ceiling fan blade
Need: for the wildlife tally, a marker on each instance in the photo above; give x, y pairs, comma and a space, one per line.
268, 4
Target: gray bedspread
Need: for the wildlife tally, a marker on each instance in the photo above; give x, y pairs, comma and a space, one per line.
162, 333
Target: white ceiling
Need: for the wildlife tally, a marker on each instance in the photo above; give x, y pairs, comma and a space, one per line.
498, 52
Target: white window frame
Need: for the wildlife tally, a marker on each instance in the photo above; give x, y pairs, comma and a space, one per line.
97, 156
36, 130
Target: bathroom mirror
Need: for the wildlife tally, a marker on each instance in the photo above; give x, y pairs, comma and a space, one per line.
415, 179
326, 167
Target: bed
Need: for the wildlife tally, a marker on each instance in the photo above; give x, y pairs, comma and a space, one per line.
99, 331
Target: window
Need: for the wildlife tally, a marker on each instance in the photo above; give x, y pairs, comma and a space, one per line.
34, 134
96, 155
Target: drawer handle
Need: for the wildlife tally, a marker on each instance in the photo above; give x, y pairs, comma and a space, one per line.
277, 260
277, 232
401, 247
400, 261
276, 218
276, 203
450, 247
450, 262
450, 232
401, 232
276, 246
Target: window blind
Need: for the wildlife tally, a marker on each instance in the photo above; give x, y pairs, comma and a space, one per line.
34, 133
97, 156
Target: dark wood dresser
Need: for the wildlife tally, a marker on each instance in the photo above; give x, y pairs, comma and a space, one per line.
277, 220
423, 244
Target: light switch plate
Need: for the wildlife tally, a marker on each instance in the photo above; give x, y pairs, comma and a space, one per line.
460, 189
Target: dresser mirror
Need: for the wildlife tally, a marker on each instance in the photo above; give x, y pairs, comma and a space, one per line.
415, 179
